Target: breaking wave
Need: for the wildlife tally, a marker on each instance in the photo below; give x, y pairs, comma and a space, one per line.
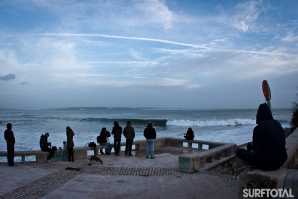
229, 122
156, 122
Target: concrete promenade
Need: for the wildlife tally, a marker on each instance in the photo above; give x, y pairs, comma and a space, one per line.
118, 177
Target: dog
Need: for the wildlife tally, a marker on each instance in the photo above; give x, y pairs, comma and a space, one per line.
95, 159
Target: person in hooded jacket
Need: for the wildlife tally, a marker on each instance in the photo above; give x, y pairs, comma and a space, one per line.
10, 141
129, 134
44, 146
117, 132
70, 143
189, 134
103, 139
268, 145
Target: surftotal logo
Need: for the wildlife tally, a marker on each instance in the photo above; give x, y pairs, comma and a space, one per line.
253, 193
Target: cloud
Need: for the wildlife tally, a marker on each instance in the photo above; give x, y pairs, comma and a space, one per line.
290, 37
122, 37
8, 77
243, 16
172, 82
24, 83
156, 12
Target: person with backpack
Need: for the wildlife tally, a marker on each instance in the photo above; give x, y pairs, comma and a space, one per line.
44, 146
103, 140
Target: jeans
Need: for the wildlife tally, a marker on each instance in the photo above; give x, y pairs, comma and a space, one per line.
117, 143
10, 155
150, 148
128, 146
107, 144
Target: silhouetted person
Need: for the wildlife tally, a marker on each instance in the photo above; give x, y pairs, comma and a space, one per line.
129, 134
117, 132
103, 139
268, 146
150, 135
44, 146
189, 134
10, 141
70, 144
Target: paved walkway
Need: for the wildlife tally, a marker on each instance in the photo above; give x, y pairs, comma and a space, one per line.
118, 177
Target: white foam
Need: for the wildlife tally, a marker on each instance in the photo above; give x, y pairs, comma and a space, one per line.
229, 122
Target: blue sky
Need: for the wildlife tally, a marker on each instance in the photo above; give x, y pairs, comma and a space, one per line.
135, 53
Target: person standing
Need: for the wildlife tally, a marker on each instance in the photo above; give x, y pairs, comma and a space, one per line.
44, 146
117, 132
70, 144
10, 141
150, 135
103, 140
269, 151
129, 134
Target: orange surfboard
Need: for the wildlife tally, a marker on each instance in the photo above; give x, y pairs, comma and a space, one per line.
266, 90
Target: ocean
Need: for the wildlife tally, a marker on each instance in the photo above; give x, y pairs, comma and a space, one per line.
232, 126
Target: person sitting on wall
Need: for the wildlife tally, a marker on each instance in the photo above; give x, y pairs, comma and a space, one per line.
44, 146
103, 140
189, 134
267, 150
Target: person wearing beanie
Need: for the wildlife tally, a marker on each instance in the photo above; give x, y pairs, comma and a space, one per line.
44, 146
189, 134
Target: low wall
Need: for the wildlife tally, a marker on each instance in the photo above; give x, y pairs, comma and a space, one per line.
60, 155
206, 155
215, 154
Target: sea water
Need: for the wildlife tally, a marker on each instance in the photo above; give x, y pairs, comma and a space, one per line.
231, 126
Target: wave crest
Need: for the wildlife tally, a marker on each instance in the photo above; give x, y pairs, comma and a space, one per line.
230, 122
156, 122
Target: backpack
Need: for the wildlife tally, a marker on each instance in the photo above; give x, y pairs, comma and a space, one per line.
92, 145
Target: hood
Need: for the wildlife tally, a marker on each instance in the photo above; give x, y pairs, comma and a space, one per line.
264, 113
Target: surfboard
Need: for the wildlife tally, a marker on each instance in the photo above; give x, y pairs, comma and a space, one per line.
266, 90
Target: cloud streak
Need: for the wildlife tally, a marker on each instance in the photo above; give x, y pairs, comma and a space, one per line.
175, 48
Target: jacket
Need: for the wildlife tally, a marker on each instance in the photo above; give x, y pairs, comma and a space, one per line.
189, 135
117, 132
43, 142
129, 132
149, 132
269, 140
102, 138
9, 137
69, 135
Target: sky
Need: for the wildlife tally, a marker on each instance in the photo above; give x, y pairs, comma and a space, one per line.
193, 54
